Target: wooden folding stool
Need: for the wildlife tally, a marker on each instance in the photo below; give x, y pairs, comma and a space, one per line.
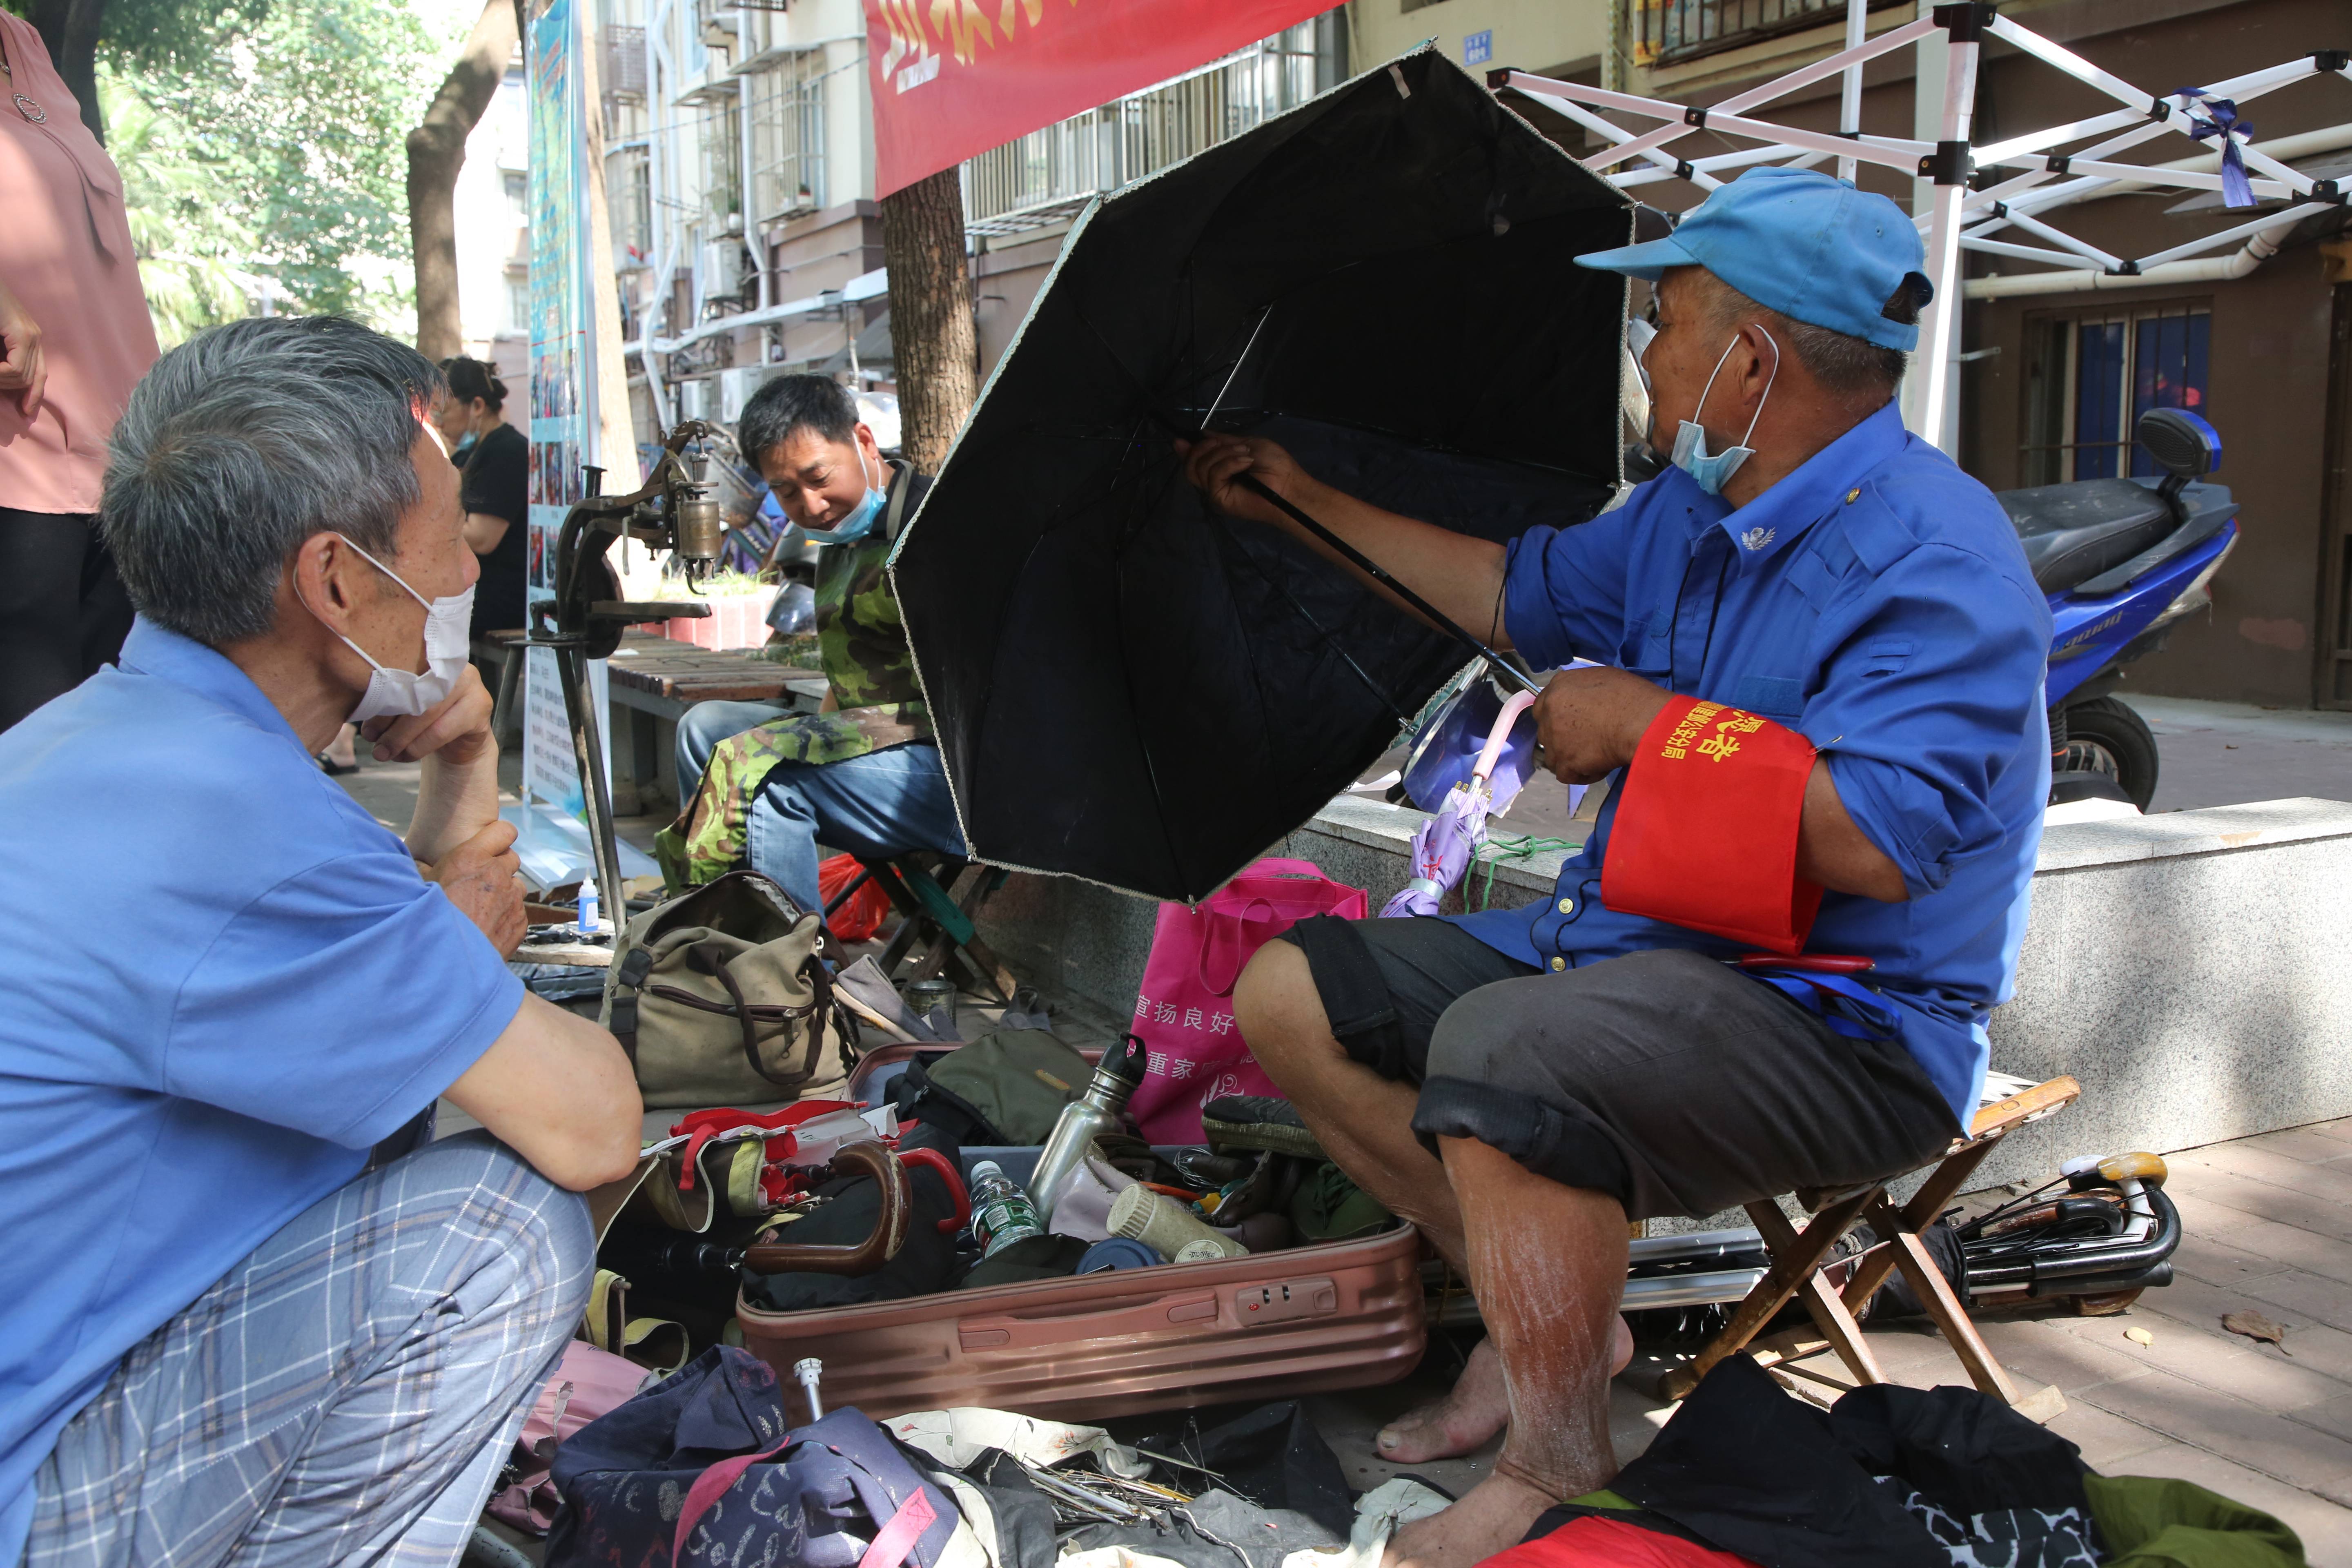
1797, 1255
936, 905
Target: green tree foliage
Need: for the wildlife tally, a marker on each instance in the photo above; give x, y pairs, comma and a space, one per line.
301, 120
193, 248
278, 127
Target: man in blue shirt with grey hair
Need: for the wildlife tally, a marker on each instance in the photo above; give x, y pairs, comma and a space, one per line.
229, 1333
1821, 709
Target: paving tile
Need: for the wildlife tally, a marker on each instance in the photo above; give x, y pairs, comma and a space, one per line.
2329, 1183
2328, 1301
2110, 1444
2324, 1526
2258, 1438
2204, 1354
2335, 1417
2261, 1199
2339, 1128
2293, 1245
2034, 1349
2301, 1143
2218, 1263
1913, 1355
2317, 1347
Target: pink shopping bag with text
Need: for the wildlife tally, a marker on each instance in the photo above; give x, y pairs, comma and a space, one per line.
1184, 1011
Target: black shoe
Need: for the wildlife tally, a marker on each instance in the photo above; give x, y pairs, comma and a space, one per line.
1258, 1121
335, 769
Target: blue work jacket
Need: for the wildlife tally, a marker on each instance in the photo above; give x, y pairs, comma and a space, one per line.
1877, 601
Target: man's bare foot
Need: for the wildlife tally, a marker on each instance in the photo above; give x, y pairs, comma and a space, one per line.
1492, 1516
1478, 1407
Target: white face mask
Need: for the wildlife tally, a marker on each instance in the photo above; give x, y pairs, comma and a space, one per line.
1690, 453
447, 646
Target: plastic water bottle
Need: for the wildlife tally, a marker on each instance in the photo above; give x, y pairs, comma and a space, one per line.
1001, 1213
587, 917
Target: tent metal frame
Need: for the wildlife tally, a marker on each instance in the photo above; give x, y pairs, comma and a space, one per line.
1962, 211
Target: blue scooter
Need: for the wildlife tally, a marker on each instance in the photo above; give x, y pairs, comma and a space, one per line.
2123, 560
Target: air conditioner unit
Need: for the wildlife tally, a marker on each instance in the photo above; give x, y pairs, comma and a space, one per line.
737, 384
723, 270
694, 398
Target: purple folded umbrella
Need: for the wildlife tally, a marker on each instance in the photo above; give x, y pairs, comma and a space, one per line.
1443, 847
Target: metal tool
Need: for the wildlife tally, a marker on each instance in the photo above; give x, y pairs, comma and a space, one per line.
808, 1370
674, 510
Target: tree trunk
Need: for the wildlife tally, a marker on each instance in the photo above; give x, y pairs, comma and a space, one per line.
69, 30
437, 151
932, 335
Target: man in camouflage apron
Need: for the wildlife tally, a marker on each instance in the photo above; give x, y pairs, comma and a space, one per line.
764, 786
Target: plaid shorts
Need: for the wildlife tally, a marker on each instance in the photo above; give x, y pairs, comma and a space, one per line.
345, 1395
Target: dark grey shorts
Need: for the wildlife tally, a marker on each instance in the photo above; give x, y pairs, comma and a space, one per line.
1670, 1080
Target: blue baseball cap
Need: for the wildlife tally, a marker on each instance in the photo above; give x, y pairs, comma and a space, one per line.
1797, 241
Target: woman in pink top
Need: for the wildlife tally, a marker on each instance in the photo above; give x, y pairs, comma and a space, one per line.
75, 337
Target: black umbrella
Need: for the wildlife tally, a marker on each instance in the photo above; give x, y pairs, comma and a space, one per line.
1130, 687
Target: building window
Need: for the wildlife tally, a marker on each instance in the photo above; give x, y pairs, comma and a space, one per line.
519, 301
2090, 376
518, 196
629, 194
787, 106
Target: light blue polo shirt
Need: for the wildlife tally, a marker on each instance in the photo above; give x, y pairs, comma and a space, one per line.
1877, 601
225, 981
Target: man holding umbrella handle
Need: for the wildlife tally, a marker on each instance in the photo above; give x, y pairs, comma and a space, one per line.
1824, 712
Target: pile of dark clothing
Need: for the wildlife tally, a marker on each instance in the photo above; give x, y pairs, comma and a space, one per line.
1889, 1477
709, 1466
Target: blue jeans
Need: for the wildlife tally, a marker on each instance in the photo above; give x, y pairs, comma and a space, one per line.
883, 804
348, 1394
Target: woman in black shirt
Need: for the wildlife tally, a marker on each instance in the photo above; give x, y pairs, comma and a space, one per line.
492, 490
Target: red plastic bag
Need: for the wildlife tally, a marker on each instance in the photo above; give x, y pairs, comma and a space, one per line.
864, 914
1185, 1010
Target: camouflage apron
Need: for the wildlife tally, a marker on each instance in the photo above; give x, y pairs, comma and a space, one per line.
867, 662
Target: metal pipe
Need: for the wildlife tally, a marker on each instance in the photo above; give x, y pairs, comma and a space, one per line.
1689, 1290
2258, 249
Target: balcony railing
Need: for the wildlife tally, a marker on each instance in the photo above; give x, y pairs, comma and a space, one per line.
1051, 174
1668, 32
624, 61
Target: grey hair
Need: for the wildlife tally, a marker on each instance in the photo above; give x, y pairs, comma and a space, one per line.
1846, 366
244, 441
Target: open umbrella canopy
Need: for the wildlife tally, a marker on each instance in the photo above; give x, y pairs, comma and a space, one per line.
1132, 688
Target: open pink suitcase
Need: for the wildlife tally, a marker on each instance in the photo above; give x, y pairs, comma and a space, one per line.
1341, 1314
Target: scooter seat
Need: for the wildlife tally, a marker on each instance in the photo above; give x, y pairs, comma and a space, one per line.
2074, 533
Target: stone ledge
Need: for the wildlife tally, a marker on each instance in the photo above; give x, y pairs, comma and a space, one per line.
2215, 829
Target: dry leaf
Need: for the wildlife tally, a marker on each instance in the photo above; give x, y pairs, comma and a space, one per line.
2139, 1336
2254, 1326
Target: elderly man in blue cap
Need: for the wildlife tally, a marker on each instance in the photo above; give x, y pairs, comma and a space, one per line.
1821, 712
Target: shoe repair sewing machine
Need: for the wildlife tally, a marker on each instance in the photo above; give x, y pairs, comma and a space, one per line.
674, 511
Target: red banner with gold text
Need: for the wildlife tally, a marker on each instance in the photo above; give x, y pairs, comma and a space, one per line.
953, 78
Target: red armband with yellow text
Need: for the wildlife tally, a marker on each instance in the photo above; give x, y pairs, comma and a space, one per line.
1706, 832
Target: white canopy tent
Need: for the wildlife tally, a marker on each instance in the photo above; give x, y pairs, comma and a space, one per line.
2054, 167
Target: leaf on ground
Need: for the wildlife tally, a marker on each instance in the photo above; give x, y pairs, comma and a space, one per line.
2139, 1336
2255, 1326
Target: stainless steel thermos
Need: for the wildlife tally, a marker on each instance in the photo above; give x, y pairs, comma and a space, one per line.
1095, 1112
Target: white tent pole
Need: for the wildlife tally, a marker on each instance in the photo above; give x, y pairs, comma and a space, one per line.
1857, 26
1928, 391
